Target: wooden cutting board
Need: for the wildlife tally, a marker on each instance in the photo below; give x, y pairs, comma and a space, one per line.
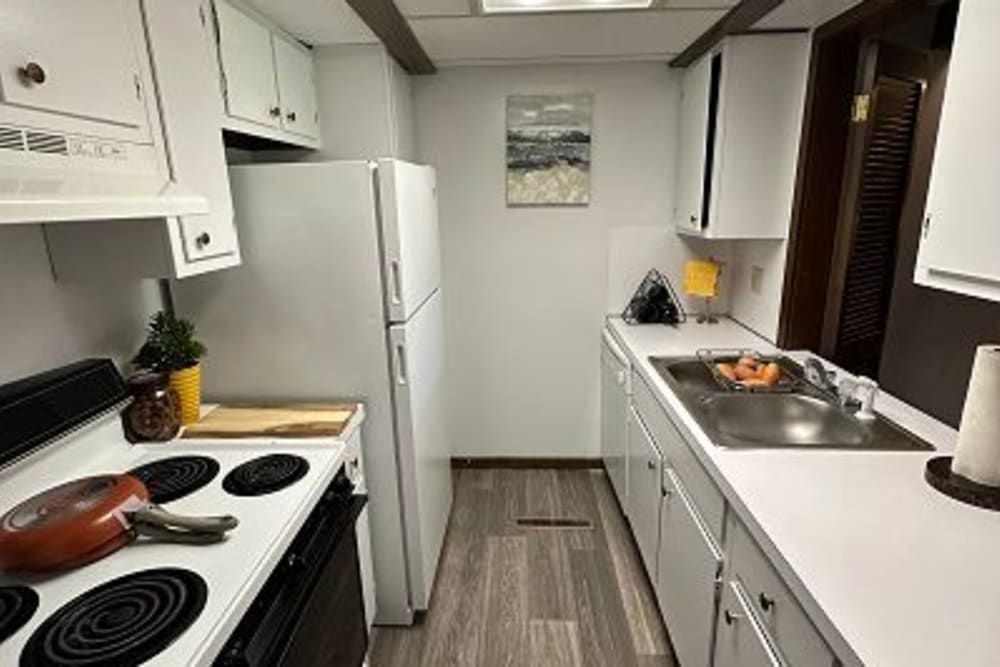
284, 421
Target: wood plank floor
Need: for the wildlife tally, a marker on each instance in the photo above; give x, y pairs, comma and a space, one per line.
512, 595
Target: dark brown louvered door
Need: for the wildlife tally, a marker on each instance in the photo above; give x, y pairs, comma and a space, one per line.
884, 173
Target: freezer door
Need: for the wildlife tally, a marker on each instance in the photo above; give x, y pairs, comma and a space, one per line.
411, 248
417, 354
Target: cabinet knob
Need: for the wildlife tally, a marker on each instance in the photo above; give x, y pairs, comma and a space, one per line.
203, 239
651, 465
275, 112
730, 617
32, 73
291, 116
766, 602
693, 218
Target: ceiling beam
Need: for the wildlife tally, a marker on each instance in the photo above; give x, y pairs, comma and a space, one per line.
739, 19
389, 25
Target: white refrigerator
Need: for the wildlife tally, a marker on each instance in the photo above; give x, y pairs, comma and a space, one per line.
338, 297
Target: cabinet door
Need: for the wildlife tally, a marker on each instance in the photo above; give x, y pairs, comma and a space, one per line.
740, 642
956, 252
614, 420
645, 491
248, 66
79, 61
689, 567
691, 153
296, 89
191, 108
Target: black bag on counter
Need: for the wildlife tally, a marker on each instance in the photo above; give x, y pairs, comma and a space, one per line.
655, 302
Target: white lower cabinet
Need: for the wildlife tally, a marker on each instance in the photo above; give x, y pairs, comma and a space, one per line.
645, 489
615, 417
690, 564
741, 642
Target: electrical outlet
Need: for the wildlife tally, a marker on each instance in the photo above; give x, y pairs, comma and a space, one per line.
756, 279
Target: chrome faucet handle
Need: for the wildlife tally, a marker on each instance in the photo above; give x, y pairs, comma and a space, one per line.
865, 392
847, 393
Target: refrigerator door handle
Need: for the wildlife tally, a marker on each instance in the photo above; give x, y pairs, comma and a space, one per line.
397, 287
401, 373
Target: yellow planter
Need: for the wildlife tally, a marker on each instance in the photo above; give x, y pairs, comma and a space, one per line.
187, 384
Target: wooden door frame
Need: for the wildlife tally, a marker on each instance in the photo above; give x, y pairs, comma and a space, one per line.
808, 260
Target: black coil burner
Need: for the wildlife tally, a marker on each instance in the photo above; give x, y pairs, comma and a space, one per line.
17, 604
266, 474
176, 477
126, 621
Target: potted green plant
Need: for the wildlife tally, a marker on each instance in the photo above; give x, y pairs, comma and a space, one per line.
171, 347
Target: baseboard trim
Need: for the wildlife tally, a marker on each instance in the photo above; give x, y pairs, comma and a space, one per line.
527, 462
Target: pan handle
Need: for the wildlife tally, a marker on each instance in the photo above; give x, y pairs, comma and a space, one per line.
163, 534
156, 516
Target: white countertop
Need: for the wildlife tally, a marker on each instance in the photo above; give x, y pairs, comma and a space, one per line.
890, 571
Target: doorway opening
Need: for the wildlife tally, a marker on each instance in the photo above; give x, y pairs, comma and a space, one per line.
876, 86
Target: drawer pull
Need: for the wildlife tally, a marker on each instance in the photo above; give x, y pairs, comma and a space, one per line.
730, 617
766, 603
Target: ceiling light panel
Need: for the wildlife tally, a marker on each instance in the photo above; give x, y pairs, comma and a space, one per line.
527, 6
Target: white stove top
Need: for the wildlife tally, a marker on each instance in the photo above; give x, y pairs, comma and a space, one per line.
234, 569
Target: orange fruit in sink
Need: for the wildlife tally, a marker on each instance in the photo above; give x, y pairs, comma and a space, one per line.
771, 374
727, 371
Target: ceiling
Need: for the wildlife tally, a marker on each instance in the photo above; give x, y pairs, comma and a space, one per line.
454, 32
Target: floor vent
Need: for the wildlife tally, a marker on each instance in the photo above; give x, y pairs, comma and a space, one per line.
42, 142
11, 139
554, 522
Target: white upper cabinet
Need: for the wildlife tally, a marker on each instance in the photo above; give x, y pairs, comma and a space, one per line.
741, 116
296, 88
267, 80
181, 45
81, 64
957, 252
182, 50
692, 146
247, 58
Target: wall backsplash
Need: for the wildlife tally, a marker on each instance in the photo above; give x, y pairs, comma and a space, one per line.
46, 324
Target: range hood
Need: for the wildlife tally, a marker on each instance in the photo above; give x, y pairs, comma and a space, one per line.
56, 177
33, 196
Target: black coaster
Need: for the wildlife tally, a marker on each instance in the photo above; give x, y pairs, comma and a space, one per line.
939, 475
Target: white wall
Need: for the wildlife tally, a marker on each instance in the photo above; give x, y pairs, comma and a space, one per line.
44, 324
365, 104
526, 289
758, 310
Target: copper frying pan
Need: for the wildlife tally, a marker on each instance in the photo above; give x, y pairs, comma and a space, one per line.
81, 521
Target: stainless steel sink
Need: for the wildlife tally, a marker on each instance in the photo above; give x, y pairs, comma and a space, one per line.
805, 417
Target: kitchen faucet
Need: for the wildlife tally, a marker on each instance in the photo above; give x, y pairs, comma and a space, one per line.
858, 393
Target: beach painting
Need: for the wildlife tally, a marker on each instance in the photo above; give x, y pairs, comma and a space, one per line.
548, 150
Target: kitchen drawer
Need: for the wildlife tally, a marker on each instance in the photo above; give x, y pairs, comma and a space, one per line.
704, 494
773, 603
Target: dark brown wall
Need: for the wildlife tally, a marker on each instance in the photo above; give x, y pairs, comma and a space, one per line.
931, 335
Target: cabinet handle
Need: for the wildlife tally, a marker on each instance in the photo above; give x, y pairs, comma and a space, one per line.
203, 239
32, 73
651, 465
291, 116
402, 377
275, 112
730, 617
693, 218
766, 603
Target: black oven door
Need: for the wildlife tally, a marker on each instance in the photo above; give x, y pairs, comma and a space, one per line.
311, 610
